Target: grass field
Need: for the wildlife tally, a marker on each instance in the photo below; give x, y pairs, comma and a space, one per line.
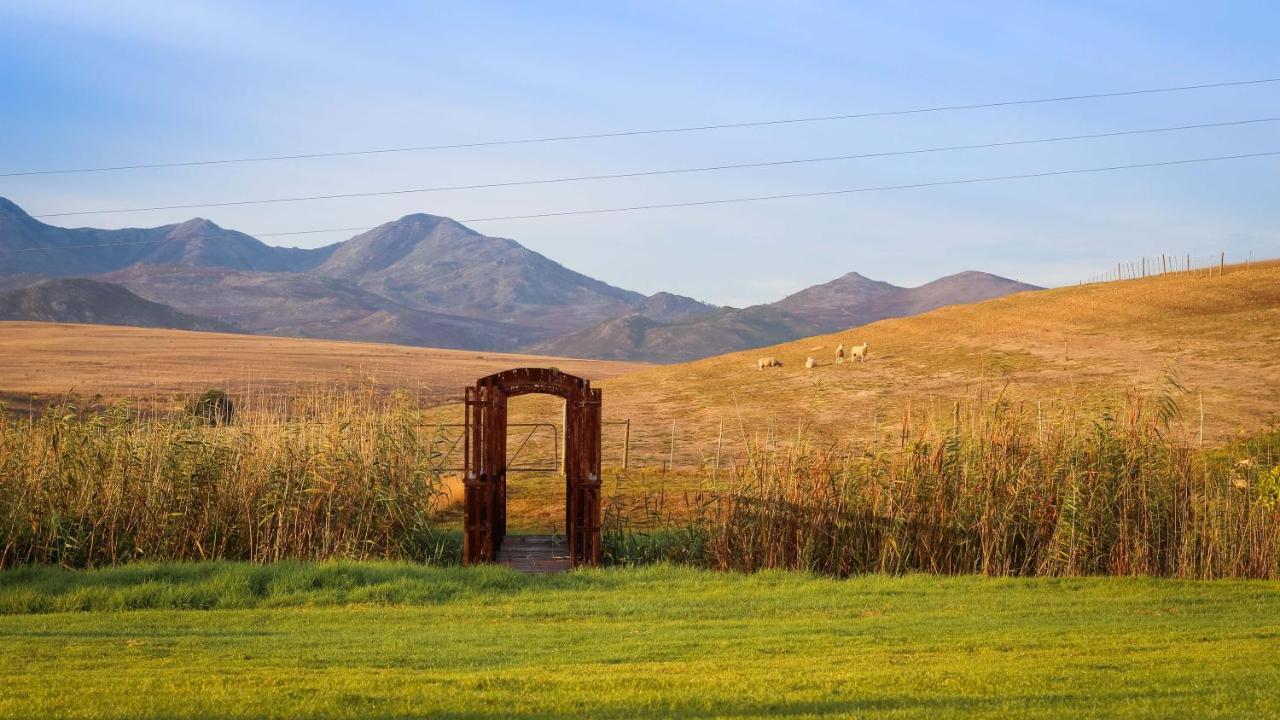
51, 359
361, 640
1219, 333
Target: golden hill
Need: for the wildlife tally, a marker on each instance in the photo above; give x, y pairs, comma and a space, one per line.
1217, 333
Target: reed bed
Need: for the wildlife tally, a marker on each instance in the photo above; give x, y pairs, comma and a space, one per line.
1115, 486
988, 487
344, 473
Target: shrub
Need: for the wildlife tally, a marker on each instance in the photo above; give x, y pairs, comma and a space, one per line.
213, 407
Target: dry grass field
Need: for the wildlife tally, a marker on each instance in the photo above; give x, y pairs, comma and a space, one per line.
1219, 334
49, 360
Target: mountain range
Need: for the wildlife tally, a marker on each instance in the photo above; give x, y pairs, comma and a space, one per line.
420, 280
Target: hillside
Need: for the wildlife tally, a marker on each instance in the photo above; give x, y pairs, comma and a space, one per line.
847, 301
665, 307
637, 337
1218, 333
852, 299
309, 305
90, 301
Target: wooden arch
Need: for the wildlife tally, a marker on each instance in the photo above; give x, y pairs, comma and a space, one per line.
485, 468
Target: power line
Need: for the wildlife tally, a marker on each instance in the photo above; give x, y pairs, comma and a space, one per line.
655, 131
725, 201
878, 188
649, 173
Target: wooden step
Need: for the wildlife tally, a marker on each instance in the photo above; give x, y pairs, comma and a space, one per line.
535, 553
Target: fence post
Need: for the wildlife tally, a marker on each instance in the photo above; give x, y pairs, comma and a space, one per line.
671, 457
626, 445
1222, 263
1201, 419
719, 442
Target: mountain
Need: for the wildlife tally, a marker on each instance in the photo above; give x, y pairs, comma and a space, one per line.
28, 246
78, 300
421, 280
434, 263
851, 300
636, 337
431, 281
19, 280
309, 305
669, 307
848, 301
960, 289
843, 302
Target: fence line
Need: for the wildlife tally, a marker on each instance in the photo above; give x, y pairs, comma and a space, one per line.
1157, 265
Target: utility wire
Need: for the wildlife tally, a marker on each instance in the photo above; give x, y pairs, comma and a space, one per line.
649, 173
725, 201
878, 188
656, 131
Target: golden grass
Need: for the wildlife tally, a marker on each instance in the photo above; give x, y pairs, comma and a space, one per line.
50, 359
1220, 335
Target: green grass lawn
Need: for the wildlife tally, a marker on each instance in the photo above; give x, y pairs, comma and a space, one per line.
385, 640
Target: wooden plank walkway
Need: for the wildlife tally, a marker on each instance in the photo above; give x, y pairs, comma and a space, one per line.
535, 553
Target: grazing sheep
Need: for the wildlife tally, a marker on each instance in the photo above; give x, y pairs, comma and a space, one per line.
765, 362
840, 354
858, 351
810, 363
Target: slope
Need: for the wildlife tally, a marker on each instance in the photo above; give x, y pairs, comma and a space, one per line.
78, 300
309, 305
1217, 333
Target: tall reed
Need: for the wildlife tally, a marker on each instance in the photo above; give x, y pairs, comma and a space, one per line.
354, 478
997, 489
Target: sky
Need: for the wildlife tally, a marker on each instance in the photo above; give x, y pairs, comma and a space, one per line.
122, 82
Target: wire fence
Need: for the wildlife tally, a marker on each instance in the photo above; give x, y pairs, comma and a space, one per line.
1157, 265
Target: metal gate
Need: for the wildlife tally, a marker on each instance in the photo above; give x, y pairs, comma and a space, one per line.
485, 468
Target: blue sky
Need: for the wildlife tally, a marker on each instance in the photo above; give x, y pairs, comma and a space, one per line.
90, 83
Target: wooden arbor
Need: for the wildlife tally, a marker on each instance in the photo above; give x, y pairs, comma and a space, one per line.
485, 468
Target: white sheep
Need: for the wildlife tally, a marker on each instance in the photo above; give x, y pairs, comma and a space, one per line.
765, 362
810, 363
840, 354
859, 351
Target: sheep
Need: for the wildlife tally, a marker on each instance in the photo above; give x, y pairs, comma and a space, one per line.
810, 363
840, 354
767, 362
859, 351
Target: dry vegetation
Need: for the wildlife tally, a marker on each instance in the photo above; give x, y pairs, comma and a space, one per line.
993, 488
144, 365
358, 478
1220, 334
